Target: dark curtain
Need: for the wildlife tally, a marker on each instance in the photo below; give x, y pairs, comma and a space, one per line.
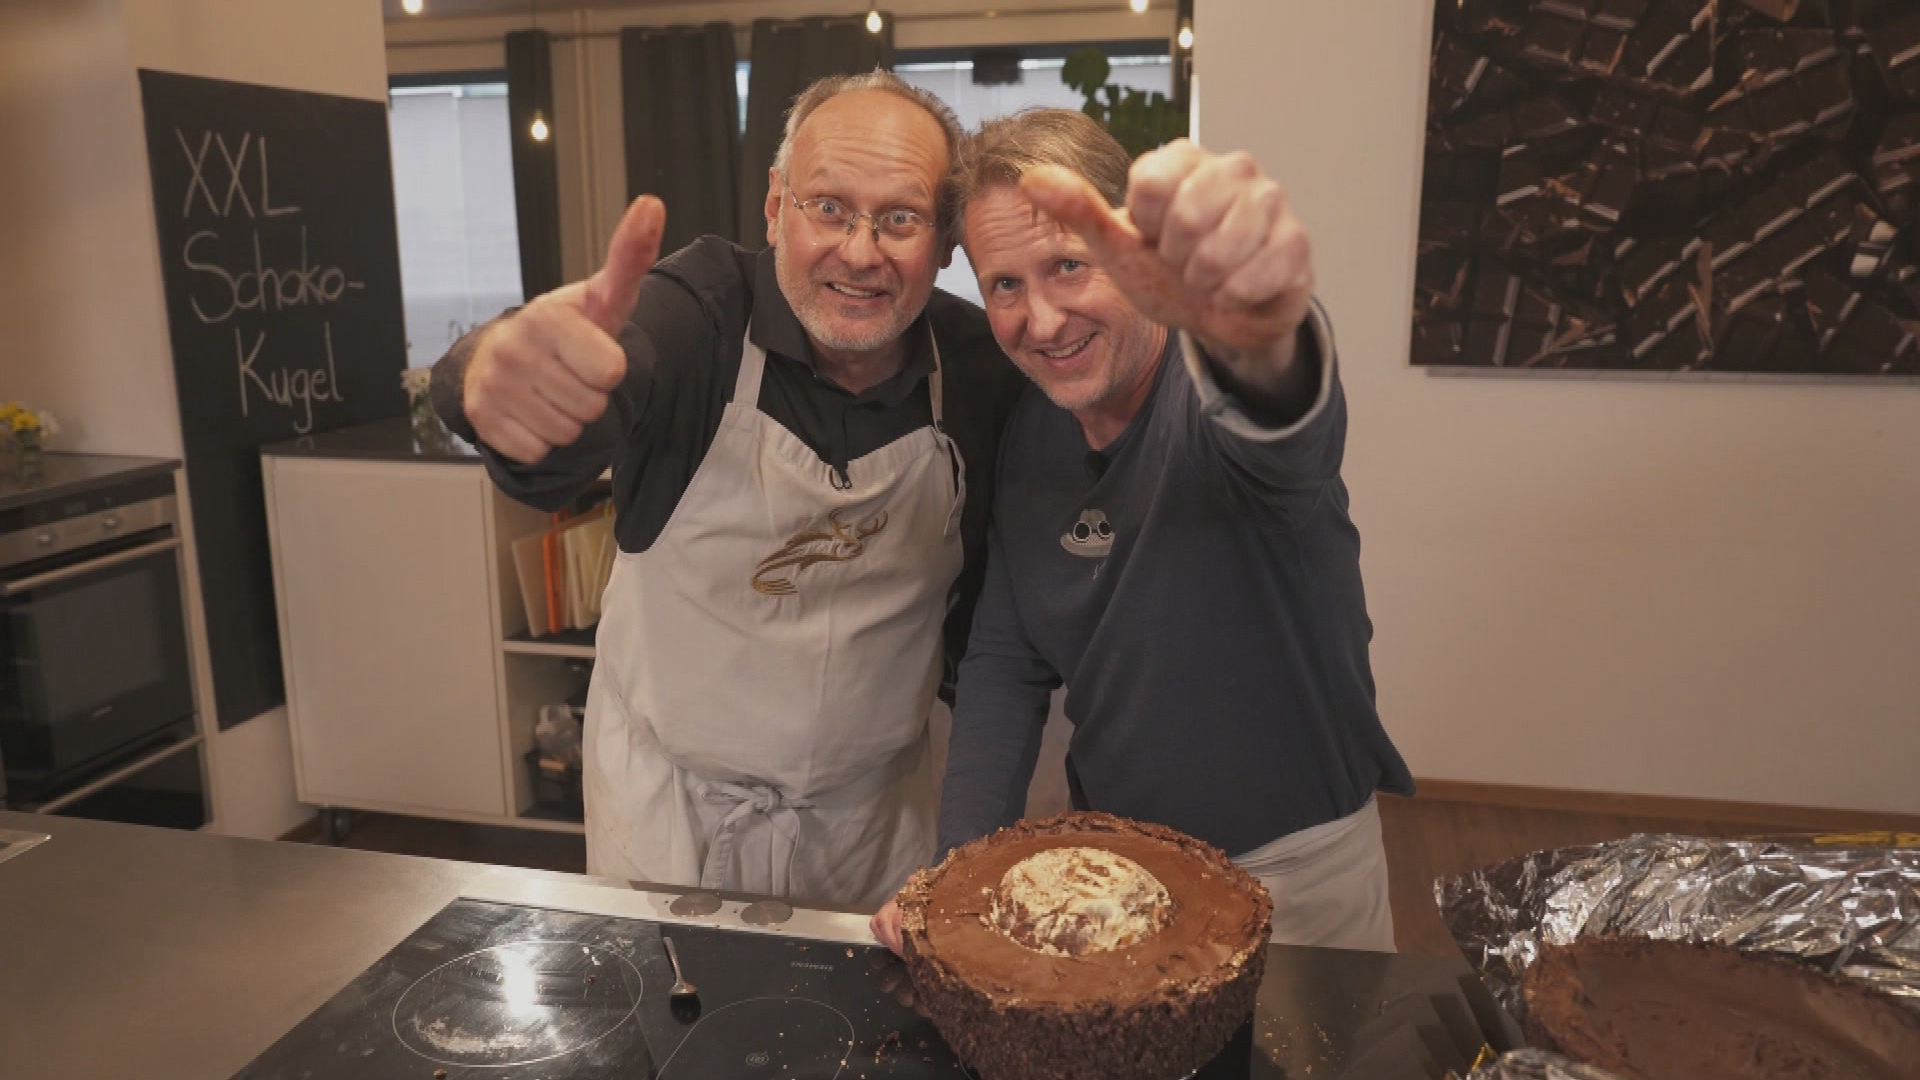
789, 54
682, 119
1182, 60
536, 177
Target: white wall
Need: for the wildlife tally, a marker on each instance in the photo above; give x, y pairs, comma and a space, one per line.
323, 46
82, 312
82, 320
1690, 589
588, 120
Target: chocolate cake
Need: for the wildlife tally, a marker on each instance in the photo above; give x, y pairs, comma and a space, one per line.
1086, 947
1665, 1010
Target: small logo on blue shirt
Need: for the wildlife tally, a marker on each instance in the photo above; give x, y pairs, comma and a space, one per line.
1091, 537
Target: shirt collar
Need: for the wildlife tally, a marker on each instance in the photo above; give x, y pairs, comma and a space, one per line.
777, 330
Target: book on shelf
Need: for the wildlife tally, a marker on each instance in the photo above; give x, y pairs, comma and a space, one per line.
563, 570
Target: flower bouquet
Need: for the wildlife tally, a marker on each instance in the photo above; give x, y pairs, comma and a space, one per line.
27, 430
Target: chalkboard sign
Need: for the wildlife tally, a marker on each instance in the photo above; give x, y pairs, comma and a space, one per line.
282, 270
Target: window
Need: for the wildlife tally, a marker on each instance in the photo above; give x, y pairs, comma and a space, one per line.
1039, 84
952, 79
453, 194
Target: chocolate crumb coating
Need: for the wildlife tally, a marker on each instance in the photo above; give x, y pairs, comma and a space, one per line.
1160, 1007
1666, 1010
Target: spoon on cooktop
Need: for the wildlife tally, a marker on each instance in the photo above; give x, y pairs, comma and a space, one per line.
683, 999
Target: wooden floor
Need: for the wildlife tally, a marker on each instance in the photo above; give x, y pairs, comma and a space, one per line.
1426, 838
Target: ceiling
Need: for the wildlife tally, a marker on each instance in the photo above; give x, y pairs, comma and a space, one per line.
456, 8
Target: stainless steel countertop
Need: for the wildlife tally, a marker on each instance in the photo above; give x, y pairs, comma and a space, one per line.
127, 951
163, 955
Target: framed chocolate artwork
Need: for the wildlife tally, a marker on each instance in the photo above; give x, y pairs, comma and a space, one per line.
1672, 185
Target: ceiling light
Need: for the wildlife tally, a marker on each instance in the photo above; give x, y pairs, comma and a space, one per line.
1137, 5
412, 7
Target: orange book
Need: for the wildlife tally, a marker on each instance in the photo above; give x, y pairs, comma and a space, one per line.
556, 581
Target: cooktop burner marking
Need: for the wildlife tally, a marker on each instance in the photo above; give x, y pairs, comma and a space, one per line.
766, 913
761, 1058
514, 986
695, 904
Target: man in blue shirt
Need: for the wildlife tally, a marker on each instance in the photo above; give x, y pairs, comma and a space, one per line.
1171, 538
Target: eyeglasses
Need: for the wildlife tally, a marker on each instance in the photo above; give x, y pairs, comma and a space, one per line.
899, 226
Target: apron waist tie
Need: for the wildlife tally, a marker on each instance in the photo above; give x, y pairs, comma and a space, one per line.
746, 800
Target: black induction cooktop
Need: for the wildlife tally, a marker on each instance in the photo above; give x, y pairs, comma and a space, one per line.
502, 992
493, 991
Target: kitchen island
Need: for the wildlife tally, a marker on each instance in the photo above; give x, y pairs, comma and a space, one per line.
136, 952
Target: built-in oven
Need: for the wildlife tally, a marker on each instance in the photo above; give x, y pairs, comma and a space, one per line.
96, 693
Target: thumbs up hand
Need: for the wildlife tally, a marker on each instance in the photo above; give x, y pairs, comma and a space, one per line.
1207, 244
541, 375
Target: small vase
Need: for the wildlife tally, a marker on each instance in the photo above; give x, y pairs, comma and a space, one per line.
29, 460
429, 434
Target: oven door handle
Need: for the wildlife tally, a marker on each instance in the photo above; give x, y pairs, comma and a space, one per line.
52, 577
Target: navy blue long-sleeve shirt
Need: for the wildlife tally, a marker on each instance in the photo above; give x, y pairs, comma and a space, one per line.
1196, 587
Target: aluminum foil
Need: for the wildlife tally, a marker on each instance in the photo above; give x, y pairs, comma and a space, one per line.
1853, 910
1538, 1065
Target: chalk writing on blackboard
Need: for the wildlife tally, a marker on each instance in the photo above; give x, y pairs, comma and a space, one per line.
276, 272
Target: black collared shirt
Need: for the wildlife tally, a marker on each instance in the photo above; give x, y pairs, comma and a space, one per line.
683, 347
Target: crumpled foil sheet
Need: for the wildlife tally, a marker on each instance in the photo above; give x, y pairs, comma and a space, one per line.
1853, 911
1538, 1065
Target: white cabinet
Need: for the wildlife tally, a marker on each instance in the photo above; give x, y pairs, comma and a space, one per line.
389, 622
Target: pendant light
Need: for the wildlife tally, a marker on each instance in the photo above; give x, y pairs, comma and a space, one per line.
538, 127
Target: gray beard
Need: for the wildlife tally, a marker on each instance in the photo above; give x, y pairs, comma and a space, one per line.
815, 323
879, 337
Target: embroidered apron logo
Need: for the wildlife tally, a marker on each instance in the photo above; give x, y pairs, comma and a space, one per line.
838, 542
1091, 537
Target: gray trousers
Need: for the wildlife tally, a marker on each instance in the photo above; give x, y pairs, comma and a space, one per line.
1329, 883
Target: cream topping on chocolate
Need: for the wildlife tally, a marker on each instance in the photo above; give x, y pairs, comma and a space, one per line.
1072, 901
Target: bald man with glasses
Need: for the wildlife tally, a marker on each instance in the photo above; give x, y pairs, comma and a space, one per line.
802, 442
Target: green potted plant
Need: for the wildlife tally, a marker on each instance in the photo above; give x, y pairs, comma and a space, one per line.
1140, 119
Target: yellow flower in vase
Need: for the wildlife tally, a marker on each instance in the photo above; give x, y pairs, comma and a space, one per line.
30, 428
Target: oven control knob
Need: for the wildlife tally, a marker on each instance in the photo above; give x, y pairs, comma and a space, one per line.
45, 538
110, 522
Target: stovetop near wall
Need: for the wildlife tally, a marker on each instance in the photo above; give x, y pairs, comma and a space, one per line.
64, 474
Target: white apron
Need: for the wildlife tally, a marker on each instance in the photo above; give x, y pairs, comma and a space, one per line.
757, 719
1329, 883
